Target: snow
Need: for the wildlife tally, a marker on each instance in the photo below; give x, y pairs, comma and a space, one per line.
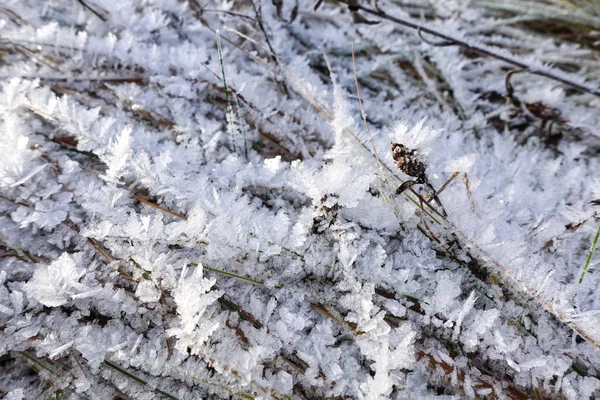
162, 234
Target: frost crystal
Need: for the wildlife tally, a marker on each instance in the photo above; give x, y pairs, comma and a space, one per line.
56, 283
192, 298
325, 200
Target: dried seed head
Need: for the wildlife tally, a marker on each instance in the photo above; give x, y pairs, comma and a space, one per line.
408, 161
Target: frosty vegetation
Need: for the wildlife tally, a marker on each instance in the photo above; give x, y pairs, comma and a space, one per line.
198, 199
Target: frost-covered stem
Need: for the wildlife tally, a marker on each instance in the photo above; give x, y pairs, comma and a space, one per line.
235, 96
229, 113
138, 380
244, 278
93, 11
478, 48
220, 51
42, 365
362, 110
163, 209
242, 125
294, 253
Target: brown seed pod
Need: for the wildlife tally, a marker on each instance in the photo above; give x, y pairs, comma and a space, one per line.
408, 162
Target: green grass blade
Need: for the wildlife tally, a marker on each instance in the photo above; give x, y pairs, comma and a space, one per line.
589, 259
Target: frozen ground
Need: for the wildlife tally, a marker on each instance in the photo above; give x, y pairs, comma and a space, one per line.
198, 199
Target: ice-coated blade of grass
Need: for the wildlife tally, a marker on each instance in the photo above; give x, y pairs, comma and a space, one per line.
42, 365
138, 380
229, 116
230, 274
234, 118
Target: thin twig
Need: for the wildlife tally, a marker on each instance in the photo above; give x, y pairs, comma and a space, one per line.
88, 7
364, 114
444, 186
138, 380
230, 274
151, 204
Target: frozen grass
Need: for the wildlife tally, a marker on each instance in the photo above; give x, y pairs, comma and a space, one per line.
200, 201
